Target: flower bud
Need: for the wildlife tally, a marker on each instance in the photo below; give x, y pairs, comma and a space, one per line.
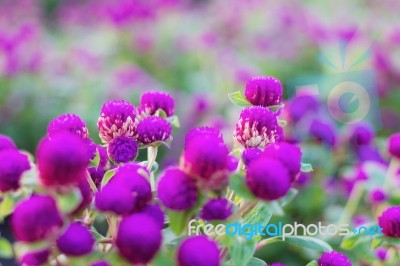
394, 145
152, 129
13, 165
188, 252
68, 122
333, 258
122, 149
76, 240
151, 101
390, 221
263, 91
216, 209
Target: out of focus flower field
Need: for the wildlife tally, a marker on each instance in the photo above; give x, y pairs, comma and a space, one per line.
338, 62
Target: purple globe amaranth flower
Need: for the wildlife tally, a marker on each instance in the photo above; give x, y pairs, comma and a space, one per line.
323, 132
267, 178
188, 252
68, 122
96, 174
203, 132
216, 209
333, 258
6, 143
35, 258
377, 196
176, 190
369, 153
250, 154
257, 127
153, 129
76, 240
122, 149
86, 195
62, 160
207, 160
100, 263
394, 145
288, 154
390, 221
302, 106
156, 213
303, 179
13, 165
361, 135
152, 101
43, 216
117, 118
381, 254
138, 238
263, 91
126, 192
278, 264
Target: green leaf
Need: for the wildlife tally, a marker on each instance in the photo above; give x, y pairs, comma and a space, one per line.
242, 251
238, 185
277, 107
306, 167
68, 202
282, 122
178, 220
154, 167
256, 262
308, 242
392, 241
162, 259
174, 121
275, 208
107, 177
6, 251
96, 160
96, 234
161, 113
292, 193
349, 241
6, 206
377, 242
312, 263
238, 98
261, 214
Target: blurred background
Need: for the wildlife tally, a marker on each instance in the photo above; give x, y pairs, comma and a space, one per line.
59, 56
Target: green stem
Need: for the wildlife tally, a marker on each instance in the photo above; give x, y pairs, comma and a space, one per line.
91, 183
266, 242
151, 158
352, 203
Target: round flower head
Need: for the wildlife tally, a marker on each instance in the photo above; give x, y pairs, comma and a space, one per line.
216, 209
152, 101
390, 221
268, 179
381, 254
333, 258
156, 213
302, 106
369, 153
138, 238
152, 129
278, 264
122, 149
35, 258
250, 154
126, 192
43, 216
323, 131
394, 145
377, 196
117, 118
203, 132
361, 135
288, 154
257, 127
264, 91
188, 252
100, 263
13, 165
68, 122
62, 160
6, 143
207, 159
76, 240
176, 190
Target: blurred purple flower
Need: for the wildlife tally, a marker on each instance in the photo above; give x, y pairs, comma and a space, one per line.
76, 240
389, 220
188, 252
68, 122
332, 258
6, 143
216, 209
13, 165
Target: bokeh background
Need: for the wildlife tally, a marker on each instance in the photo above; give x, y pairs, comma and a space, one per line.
70, 56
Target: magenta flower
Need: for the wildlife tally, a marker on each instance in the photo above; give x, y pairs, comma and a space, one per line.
152, 101
288, 154
302, 106
333, 258
263, 91
216, 209
377, 196
117, 118
156, 213
176, 190
250, 154
153, 129
188, 252
390, 221
268, 179
100, 263
76, 240
127, 191
278, 264
394, 145
68, 122
35, 258
257, 127
62, 160
45, 219
122, 149
96, 174
323, 132
87, 197
361, 135
13, 165
203, 132
6, 143
138, 238
381, 254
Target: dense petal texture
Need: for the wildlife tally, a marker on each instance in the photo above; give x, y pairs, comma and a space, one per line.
216, 209
264, 91
199, 251
333, 258
138, 238
62, 160
117, 118
389, 220
68, 122
257, 127
268, 178
122, 149
43, 216
151, 101
152, 129
13, 165
176, 190
76, 240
